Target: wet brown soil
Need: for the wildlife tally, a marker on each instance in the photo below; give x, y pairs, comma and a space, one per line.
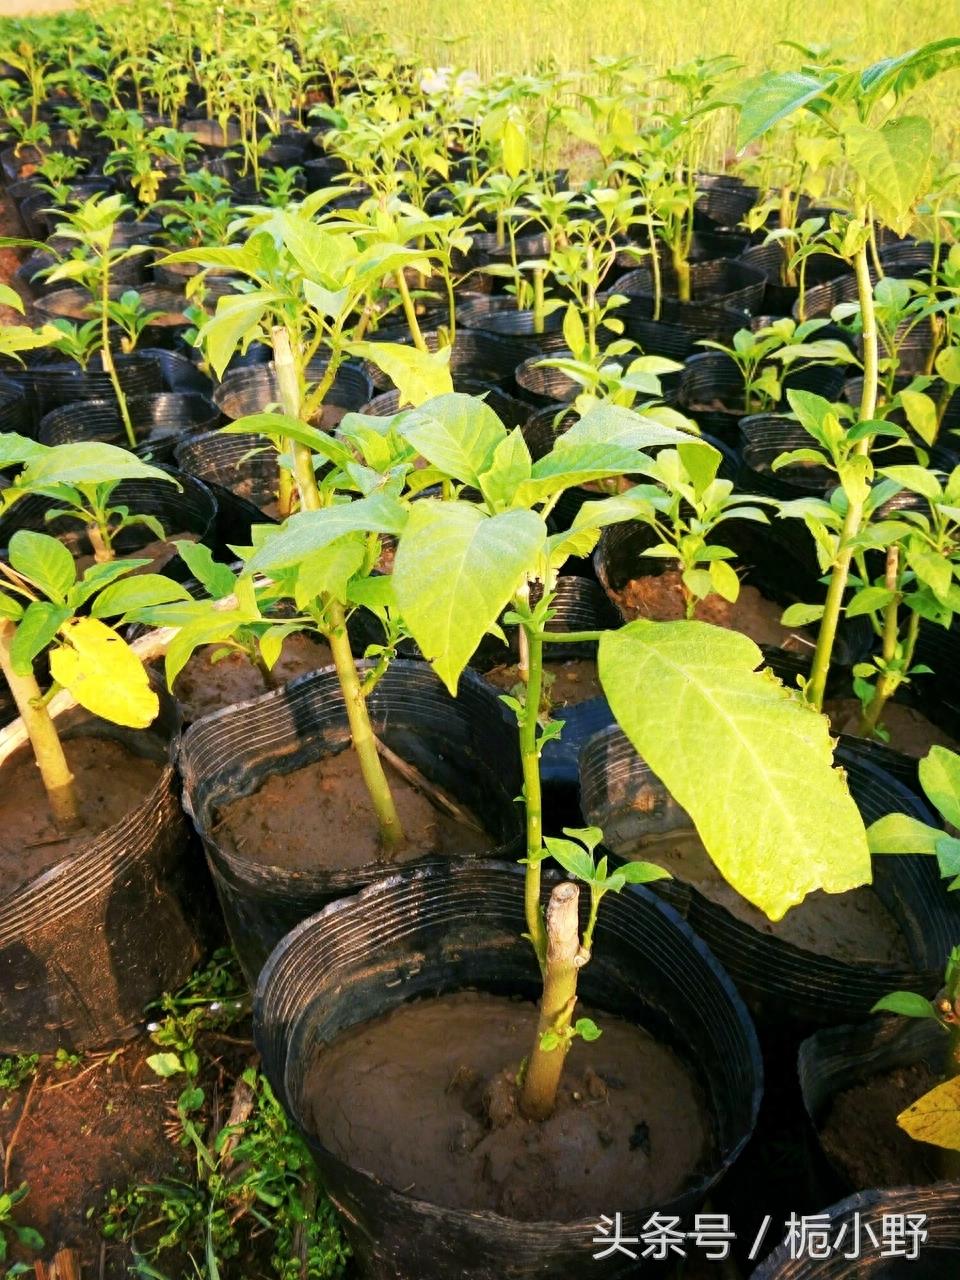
321, 816
110, 781
567, 682
205, 685
861, 1136
419, 1098
660, 598
854, 927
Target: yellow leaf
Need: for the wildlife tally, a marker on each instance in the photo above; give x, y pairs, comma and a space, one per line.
935, 1117
103, 673
514, 149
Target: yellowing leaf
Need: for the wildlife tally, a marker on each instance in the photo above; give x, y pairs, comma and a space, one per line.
751, 765
104, 674
935, 1117
417, 375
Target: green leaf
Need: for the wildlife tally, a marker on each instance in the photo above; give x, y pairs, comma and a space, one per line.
940, 779
799, 615
417, 375
458, 434
455, 571
15, 449
44, 560
215, 578
614, 425
724, 580
509, 468
916, 479
327, 572
37, 628
574, 334
899, 833
773, 99
587, 1029
575, 465
140, 592
573, 857
869, 600
642, 872
10, 608
90, 462
235, 323
921, 414
893, 162
947, 365
907, 1004
751, 765
310, 531
322, 255
165, 1064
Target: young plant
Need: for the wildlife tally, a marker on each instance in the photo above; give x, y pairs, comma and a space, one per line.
684, 506
784, 342
935, 1117
888, 153
685, 693
46, 608
91, 227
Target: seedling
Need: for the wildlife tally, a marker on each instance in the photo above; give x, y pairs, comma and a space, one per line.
46, 608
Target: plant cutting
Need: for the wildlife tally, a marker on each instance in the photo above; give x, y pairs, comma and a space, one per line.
754, 350
41, 604
307, 283
91, 228
934, 1118
500, 540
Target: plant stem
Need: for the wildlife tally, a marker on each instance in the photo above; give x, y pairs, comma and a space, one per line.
563, 961
47, 747
410, 312
817, 685
106, 356
538, 300
530, 760
288, 382
361, 730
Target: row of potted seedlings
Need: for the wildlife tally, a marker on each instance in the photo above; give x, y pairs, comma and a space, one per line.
488, 551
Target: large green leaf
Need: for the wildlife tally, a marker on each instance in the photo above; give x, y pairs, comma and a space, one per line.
36, 629
613, 424
455, 570
576, 465
893, 162
236, 319
748, 761
773, 99
456, 433
87, 462
940, 779
310, 531
44, 560
323, 256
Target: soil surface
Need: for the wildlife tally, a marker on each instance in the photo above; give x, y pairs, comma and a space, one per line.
205, 686
321, 816
423, 1097
110, 781
84, 1131
569, 682
660, 598
861, 1136
910, 731
853, 926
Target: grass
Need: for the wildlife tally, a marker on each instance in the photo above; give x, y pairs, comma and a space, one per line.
516, 35
519, 36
